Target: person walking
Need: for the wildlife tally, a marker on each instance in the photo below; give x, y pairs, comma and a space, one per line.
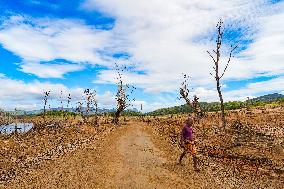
187, 142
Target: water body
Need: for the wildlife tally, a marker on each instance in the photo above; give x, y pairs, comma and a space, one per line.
19, 127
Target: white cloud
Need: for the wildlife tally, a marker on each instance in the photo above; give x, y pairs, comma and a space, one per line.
161, 38
151, 83
50, 70
253, 89
264, 56
20, 94
29, 95
161, 35
107, 100
44, 40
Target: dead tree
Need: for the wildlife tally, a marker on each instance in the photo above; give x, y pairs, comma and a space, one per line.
184, 92
122, 98
79, 109
218, 73
88, 101
62, 113
65, 114
92, 104
142, 115
46, 95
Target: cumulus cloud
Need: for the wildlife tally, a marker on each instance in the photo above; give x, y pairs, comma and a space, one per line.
29, 95
20, 94
163, 39
106, 100
43, 40
50, 70
264, 57
252, 89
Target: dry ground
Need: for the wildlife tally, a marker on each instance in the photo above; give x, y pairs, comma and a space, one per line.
135, 156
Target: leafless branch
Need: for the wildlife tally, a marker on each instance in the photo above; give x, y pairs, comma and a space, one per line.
211, 56
229, 60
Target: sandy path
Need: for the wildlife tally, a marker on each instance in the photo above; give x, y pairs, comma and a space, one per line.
141, 164
126, 158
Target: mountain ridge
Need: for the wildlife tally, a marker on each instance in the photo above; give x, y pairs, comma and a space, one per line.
215, 106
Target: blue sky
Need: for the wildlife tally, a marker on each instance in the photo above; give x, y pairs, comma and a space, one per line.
72, 45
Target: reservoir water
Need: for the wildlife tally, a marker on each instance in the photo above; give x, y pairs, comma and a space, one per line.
19, 127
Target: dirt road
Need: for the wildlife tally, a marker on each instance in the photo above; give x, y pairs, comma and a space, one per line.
141, 163
126, 158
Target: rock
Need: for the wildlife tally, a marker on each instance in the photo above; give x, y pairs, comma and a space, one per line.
13, 159
279, 170
263, 170
59, 148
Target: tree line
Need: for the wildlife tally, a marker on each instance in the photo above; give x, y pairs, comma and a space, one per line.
216, 106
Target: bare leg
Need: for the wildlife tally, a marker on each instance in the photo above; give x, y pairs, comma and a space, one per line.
181, 156
195, 163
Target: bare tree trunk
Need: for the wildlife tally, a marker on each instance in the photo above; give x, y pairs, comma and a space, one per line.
116, 116
44, 113
96, 115
46, 94
84, 118
222, 104
216, 67
217, 77
123, 99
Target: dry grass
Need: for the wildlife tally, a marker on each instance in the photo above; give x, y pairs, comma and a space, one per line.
249, 151
26, 151
253, 141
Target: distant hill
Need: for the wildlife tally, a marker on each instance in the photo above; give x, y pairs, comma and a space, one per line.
84, 109
269, 97
205, 106
215, 106
71, 110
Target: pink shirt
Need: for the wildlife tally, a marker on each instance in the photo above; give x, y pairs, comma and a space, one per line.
187, 133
